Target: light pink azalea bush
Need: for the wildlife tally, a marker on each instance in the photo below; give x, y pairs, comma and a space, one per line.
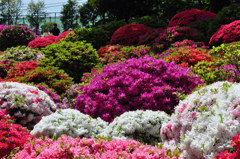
67, 148
27, 104
205, 121
69, 122
140, 125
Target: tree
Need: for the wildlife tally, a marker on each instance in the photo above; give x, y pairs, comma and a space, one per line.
10, 11
36, 12
70, 15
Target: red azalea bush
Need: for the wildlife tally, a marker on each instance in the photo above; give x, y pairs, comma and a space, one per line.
149, 36
185, 17
51, 37
128, 34
173, 34
107, 49
234, 152
40, 43
189, 57
135, 84
63, 35
68, 148
226, 34
12, 136
20, 69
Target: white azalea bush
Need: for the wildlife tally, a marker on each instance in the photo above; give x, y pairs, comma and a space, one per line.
205, 121
27, 104
70, 122
140, 125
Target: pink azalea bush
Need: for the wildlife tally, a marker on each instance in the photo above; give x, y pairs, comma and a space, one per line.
233, 152
62, 35
128, 34
205, 121
27, 104
185, 17
12, 136
67, 147
226, 34
144, 83
40, 43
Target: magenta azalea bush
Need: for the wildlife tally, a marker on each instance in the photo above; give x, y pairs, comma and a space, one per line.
128, 34
226, 34
205, 121
135, 84
185, 17
27, 104
67, 148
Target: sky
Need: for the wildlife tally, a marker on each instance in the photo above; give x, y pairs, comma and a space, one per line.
50, 5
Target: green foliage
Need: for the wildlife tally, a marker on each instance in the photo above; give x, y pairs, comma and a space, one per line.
35, 12
96, 36
221, 50
15, 35
150, 21
46, 27
21, 53
70, 15
48, 76
10, 11
75, 58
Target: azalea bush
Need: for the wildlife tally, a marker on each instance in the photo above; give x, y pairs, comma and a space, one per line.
103, 51
233, 151
139, 125
68, 147
144, 83
75, 58
21, 53
205, 121
188, 16
125, 53
12, 136
39, 43
69, 122
226, 34
149, 36
62, 35
128, 34
52, 77
15, 35
27, 104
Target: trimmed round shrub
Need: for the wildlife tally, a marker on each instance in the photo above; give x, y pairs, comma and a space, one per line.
15, 35
27, 104
173, 34
226, 34
128, 34
21, 53
142, 126
12, 136
48, 76
3, 26
233, 151
39, 43
125, 53
69, 122
188, 16
75, 58
20, 69
135, 84
205, 121
68, 147
149, 37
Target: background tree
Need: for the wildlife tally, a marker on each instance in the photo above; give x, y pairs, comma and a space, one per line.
10, 11
70, 15
36, 12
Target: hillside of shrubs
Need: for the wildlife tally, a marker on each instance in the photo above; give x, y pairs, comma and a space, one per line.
123, 90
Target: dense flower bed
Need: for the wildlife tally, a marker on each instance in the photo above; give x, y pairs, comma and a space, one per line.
185, 17
205, 121
227, 33
68, 147
144, 83
128, 34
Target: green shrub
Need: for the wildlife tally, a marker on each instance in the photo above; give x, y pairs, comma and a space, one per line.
46, 27
51, 77
21, 53
150, 21
15, 35
221, 50
75, 58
